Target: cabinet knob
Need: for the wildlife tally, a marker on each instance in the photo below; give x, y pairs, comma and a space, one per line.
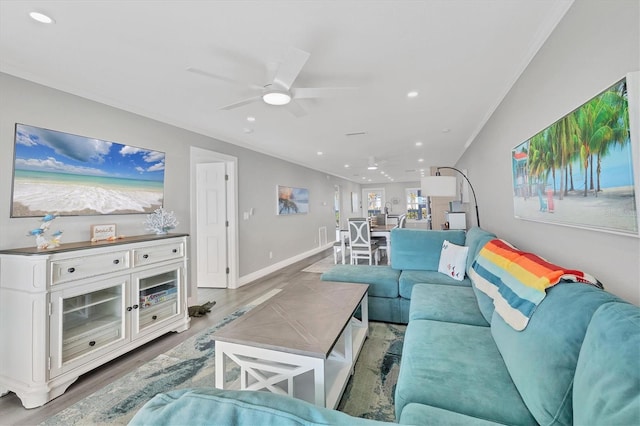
174, 250
135, 306
129, 308
115, 262
145, 256
92, 343
155, 317
71, 270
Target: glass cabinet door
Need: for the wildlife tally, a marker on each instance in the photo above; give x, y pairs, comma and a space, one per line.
158, 296
85, 322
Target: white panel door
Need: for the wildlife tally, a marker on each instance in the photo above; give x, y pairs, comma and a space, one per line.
211, 238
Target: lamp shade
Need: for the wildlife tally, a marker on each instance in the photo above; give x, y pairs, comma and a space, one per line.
438, 186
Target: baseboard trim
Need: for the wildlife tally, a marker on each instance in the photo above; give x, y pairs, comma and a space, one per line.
246, 279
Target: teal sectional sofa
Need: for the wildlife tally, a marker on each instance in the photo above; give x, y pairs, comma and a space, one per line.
415, 255
576, 362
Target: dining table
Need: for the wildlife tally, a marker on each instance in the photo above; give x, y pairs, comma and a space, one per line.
376, 231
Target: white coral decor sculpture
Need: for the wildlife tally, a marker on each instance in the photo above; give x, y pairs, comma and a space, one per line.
161, 221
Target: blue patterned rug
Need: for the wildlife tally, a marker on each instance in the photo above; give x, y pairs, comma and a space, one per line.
369, 392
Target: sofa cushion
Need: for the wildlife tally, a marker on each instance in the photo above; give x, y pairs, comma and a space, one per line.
445, 303
419, 249
418, 414
206, 406
606, 388
542, 358
453, 260
457, 367
476, 239
410, 278
382, 280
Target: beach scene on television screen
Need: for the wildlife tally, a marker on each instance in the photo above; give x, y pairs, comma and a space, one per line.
71, 175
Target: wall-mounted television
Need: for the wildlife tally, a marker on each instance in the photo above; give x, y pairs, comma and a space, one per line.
71, 175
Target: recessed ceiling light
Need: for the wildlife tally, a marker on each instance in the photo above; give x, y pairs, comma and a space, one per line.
446, 130
412, 94
41, 17
251, 118
319, 152
420, 160
372, 167
346, 166
418, 143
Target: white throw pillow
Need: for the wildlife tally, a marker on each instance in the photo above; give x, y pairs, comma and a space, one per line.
453, 260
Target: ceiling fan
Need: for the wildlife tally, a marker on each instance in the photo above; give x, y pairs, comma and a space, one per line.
279, 90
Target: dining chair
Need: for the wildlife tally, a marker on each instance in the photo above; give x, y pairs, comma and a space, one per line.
381, 219
381, 243
337, 248
402, 222
360, 241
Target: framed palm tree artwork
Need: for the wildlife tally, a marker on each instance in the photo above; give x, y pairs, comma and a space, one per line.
292, 200
582, 170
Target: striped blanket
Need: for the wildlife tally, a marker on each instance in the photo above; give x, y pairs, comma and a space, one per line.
517, 281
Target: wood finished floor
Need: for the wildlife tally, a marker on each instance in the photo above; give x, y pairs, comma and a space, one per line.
227, 302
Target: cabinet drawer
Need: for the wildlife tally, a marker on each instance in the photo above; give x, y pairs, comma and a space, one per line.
159, 253
91, 340
83, 267
155, 314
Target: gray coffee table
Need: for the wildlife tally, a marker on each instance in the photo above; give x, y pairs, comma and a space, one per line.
303, 342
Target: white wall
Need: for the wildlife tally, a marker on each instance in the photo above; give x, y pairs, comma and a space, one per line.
595, 45
286, 237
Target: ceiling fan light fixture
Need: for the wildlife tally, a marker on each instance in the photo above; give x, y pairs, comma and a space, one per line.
276, 97
372, 164
41, 17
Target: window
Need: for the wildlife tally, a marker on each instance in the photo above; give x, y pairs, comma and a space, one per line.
416, 204
374, 199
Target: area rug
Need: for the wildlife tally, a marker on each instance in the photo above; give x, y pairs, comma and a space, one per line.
369, 392
321, 266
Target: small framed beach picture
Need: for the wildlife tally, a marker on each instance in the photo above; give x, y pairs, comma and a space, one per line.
292, 200
581, 171
103, 232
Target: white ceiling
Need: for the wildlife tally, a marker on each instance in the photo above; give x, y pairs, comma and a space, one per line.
462, 56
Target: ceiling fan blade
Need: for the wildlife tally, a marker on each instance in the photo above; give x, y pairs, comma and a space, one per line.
296, 109
321, 92
222, 78
291, 67
242, 103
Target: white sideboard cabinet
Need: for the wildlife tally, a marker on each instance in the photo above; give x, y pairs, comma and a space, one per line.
68, 310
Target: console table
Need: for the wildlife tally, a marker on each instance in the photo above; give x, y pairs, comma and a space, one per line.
68, 310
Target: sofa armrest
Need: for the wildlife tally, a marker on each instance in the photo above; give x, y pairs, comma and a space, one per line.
201, 406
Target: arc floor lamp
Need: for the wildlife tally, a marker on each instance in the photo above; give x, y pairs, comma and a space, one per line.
445, 186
